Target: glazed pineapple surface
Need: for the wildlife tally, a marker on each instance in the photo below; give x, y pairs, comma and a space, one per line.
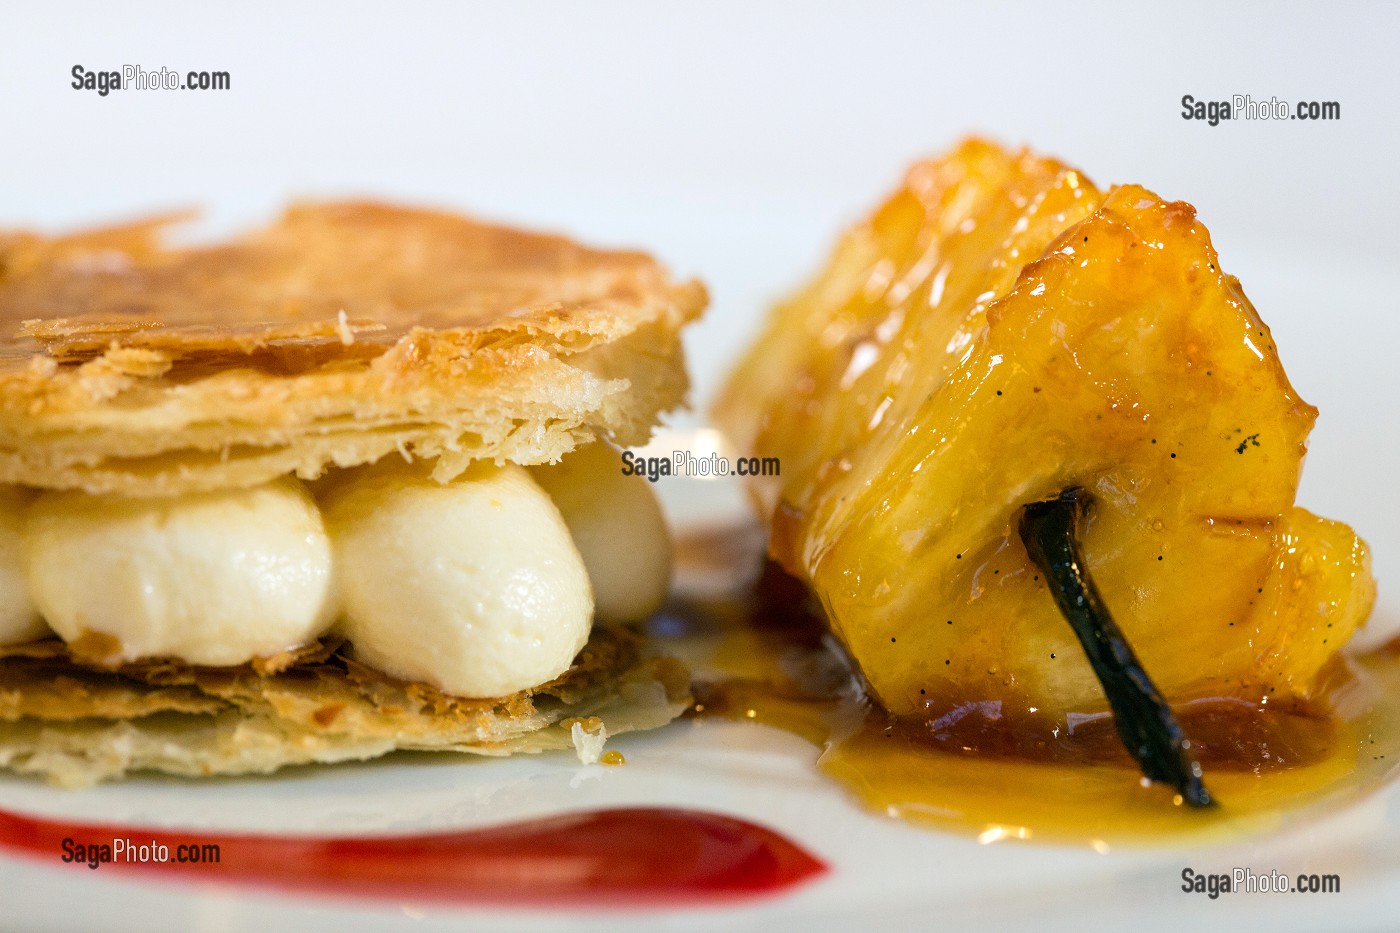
1000, 330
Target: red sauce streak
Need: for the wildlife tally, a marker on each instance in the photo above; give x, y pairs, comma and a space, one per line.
606, 858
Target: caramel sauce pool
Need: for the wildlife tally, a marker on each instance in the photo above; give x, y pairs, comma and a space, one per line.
762, 655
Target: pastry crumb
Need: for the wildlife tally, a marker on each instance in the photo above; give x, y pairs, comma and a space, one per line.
588, 736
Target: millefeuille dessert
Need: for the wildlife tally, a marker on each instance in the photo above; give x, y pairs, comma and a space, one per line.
340, 486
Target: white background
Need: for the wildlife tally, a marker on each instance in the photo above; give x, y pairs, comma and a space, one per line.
736, 139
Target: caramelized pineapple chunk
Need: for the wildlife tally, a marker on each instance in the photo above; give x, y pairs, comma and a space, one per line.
1001, 330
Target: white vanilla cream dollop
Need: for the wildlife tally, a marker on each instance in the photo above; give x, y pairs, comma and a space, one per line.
19, 619
213, 578
618, 527
473, 586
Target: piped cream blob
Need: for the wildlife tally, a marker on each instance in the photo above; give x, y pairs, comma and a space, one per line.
617, 526
213, 578
19, 619
473, 586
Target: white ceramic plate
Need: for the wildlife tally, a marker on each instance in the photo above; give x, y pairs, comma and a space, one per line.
736, 146
879, 868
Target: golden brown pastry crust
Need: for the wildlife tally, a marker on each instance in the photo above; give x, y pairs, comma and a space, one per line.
75, 724
341, 333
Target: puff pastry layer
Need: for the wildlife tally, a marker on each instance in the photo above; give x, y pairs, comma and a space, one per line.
341, 333
75, 724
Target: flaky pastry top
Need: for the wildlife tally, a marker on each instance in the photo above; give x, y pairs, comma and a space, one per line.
341, 333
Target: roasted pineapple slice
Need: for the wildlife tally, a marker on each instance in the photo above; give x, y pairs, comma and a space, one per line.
1000, 331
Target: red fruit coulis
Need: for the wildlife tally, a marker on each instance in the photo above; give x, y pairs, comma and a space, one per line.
621, 857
